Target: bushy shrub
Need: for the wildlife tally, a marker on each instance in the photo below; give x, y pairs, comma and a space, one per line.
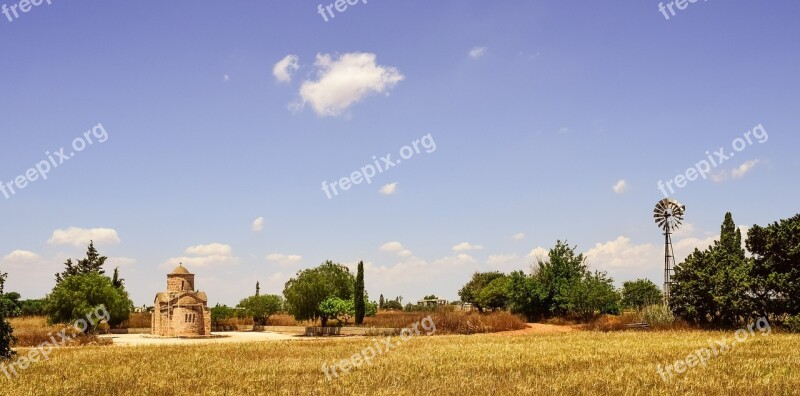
658, 316
793, 324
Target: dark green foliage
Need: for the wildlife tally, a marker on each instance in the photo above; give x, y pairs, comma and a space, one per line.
220, 313
6, 332
593, 294
118, 282
495, 294
32, 308
712, 287
640, 293
562, 269
92, 263
776, 268
79, 295
310, 287
359, 295
262, 307
393, 305
526, 296
381, 302
470, 293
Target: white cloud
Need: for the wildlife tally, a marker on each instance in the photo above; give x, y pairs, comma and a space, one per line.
81, 237
226, 78
258, 224
563, 130
621, 187
345, 81
204, 256
518, 237
284, 259
539, 253
622, 254
477, 52
466, 246
285, 67
397, 248
502, 260
744, 169
209, 250
120, 262
389, 189
20, 257
737, 173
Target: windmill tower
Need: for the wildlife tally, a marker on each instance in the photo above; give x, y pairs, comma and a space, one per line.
668, 215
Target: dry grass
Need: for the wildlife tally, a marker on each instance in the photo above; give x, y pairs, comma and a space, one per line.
576, 363
33, 330
138, 320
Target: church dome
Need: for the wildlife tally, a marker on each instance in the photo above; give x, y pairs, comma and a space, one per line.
180, 270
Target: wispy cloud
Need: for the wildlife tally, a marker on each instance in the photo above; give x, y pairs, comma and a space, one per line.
285, 67
477, 52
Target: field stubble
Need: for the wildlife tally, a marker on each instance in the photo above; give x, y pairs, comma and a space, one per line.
580, 362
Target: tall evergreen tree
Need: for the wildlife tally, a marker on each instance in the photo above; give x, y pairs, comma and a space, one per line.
92, 263
381, 302
258, 288
118, 282
359, 295
713, 286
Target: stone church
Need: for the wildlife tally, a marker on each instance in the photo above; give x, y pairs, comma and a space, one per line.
181, 311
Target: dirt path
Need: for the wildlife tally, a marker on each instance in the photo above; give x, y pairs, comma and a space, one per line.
232, 337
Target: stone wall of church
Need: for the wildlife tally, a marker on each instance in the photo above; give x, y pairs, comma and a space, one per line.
177, 282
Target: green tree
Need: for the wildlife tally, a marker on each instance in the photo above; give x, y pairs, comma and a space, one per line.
6, 331
381, 302
430, 297
526, 296
220, 313
258, 288
470, 293
310, 287
262, 307
32, 308
393, 305
557, 274
494, 295
92, 263
640, 293
359, 295
593, 294
118, 282
776, 268
80, 295
712, 287
339, 309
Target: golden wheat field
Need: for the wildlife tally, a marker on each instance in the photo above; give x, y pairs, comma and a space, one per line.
577, 362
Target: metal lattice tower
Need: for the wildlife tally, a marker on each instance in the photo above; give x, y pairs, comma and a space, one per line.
668, 215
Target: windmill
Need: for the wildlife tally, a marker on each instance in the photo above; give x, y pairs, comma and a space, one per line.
668, 215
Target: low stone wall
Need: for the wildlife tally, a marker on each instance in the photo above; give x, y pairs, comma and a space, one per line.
143, 330
233, 328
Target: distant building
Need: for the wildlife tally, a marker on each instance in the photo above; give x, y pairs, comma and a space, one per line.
181, 311
432, 303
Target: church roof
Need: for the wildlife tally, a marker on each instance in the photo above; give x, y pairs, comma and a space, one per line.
180, 270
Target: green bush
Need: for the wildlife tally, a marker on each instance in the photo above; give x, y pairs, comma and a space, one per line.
658, 315
793, 324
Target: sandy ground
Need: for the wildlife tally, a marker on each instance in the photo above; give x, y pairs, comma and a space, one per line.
240, 337
230, 337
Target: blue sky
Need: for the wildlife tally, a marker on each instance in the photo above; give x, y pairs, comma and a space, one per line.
537, 109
